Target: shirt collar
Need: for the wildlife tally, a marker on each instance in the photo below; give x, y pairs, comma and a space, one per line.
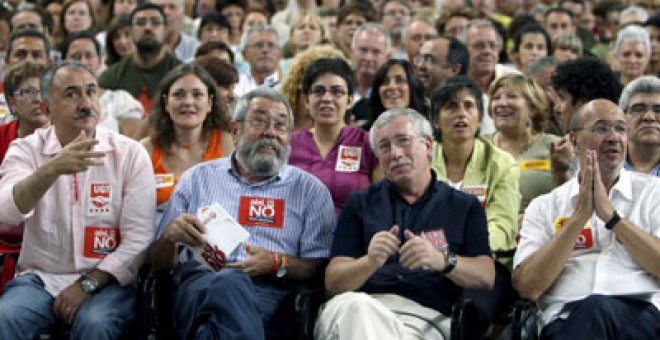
622, 187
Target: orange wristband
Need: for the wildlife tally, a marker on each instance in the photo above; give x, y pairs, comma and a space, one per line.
276, 261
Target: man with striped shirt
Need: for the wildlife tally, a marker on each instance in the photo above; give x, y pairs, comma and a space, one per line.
288, 213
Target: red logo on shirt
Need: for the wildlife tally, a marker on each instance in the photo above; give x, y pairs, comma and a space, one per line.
585, 240
100, 241
261, 212
100, 195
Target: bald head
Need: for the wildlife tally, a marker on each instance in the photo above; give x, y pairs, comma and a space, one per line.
589, 111
601, 126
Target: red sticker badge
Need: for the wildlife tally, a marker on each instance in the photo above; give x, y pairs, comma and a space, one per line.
261, 212
100, 241
100, 199
348, 158
477, 190
437, 238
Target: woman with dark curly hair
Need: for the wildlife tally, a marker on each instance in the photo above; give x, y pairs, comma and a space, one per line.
396, 85
188, 126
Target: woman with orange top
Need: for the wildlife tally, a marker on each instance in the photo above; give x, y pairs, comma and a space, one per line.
188, 126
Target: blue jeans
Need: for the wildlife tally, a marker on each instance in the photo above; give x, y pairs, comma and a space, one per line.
26, 311
231, 305
607, 317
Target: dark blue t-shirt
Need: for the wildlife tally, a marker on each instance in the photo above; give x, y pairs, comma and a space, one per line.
379, 207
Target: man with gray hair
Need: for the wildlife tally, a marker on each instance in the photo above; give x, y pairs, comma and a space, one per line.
405, 247
261, 49
633, 52
484, 45
86, 196
287, 212
370, 49
395, 15
640, 100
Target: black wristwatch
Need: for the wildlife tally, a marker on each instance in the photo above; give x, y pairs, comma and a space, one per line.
450, 262
613, 221
89, 284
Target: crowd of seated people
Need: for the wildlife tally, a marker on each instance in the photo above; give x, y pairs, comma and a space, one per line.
405, 156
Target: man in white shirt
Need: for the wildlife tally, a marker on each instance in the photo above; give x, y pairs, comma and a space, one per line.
589, 252
262, 51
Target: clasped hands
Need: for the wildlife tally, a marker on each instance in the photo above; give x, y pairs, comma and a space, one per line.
593, 196
416, 253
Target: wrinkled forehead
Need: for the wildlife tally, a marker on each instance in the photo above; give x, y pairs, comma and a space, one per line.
70, 78
601, 111
265, 107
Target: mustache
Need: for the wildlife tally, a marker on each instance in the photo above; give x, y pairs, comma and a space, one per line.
84, 113
262, 142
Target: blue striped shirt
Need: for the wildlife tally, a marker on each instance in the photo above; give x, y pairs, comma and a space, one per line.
308, 213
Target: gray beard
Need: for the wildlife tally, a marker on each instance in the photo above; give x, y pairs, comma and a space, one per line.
259, 164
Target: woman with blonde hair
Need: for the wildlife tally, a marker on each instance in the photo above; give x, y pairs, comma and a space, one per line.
307, 31
292, 83
520, 108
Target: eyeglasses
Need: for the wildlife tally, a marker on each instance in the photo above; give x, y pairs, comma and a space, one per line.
30, 92
429, 59
141, 22
320, 91
262, 124
401, 141
642, 108
263, 44
602, 129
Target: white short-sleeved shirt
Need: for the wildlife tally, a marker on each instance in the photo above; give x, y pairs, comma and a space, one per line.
599, 264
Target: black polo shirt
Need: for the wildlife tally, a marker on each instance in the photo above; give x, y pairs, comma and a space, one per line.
380, 206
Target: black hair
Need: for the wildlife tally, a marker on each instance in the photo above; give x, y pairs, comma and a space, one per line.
147, 6
46, 19
446, 93
457, 53
415, 90
209, 46
532, 28
213, 17
23, 33
82, 35
323, 66
587, 79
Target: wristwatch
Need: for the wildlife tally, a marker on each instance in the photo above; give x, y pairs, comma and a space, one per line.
283, 267
89, 284
613, 221
450, 262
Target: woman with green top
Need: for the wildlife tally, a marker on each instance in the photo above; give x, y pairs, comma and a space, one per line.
519, 109
473, 165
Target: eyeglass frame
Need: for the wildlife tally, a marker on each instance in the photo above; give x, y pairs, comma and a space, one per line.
30, 91
261, 124
646, 109
402, 141
596, 126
